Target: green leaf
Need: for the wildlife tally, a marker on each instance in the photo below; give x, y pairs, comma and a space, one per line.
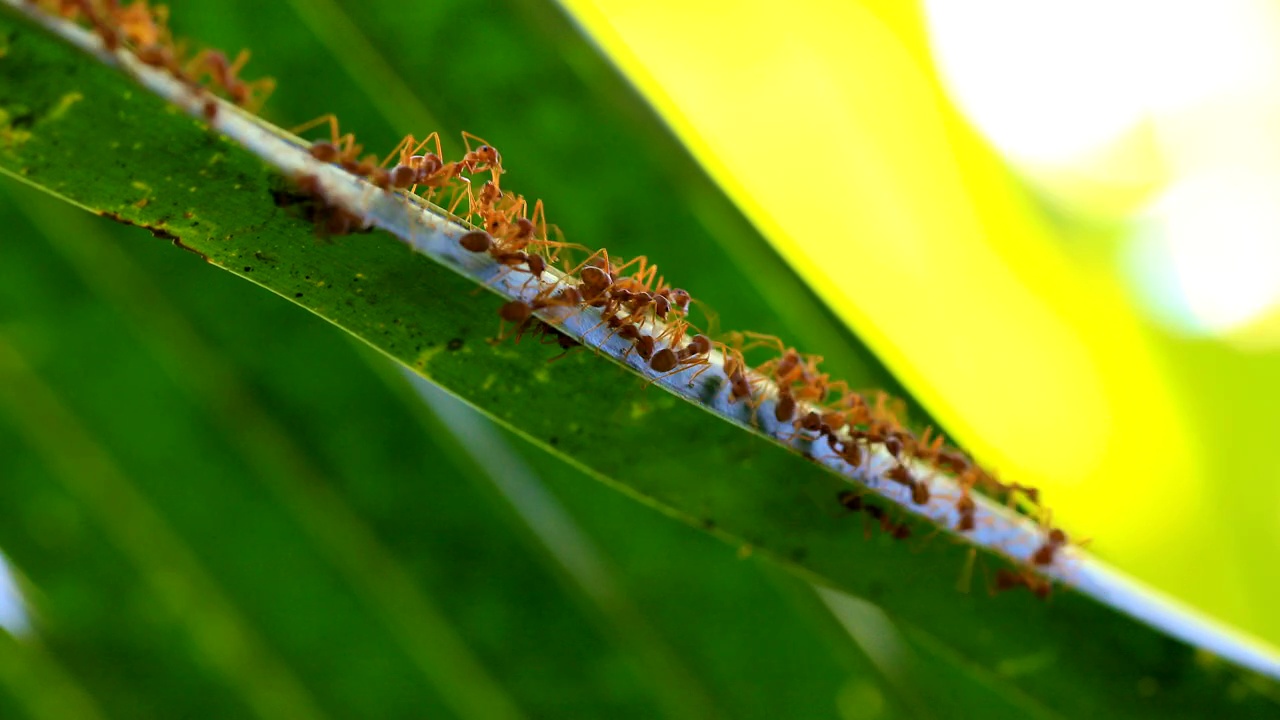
222, 202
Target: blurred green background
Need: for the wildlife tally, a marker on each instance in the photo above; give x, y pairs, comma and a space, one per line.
217, 504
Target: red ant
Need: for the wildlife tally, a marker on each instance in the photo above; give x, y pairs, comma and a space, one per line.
1044, 555
226, 76
484, 157
735, 367
854, 502
521, 313
785, 408
143, 26
330, 219
919, 491
696, 352
567, 344
1008, 580
343, 150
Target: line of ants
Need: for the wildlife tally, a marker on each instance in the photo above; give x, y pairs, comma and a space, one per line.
634, 302
144, 29
641, 308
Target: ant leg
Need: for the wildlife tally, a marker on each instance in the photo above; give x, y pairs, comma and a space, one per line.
712, 318
762, 340
457, 199
257, 93
644, 262
690, 364
539, 220
563, 354
552, 256
398, 151
706, 363
238, 64
326, 118
430, 139
598, 253
468, 137
675, 331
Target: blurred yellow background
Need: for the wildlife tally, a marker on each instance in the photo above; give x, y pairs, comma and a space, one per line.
1058, 221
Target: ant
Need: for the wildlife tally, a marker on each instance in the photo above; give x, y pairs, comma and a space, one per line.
785, 407
735, 367
342, 149
484, 157
919, 491
213, 63
1008, 580
143, 26
851, 453
330, 219
521, 313
854, 502
1044, 555
567, 344
696, 352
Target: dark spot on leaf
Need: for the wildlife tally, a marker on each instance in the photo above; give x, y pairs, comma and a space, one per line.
710, 388
158, 232
23, 121
799, 554
248, 269
455, 344
297, 295
553, 440
708, 524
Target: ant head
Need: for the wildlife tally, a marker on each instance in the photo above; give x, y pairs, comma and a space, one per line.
680, 299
